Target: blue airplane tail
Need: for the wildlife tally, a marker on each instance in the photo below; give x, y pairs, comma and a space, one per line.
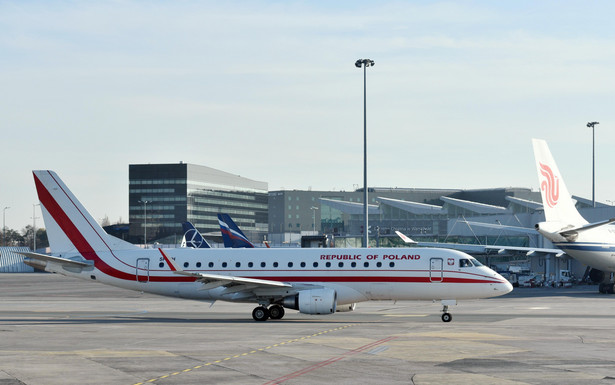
231, 234
192, 237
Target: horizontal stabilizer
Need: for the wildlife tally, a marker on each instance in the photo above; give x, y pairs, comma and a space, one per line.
586, 227
49, 258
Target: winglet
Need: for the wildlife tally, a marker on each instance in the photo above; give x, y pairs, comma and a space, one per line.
404, 237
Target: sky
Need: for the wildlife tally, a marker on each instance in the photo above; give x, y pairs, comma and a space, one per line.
268, 90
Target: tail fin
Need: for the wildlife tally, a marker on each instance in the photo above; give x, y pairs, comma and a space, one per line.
70, 228
556, 200
231, 234
193, 238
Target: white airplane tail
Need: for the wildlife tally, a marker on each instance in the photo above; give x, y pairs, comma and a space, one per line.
556, 200
70, 228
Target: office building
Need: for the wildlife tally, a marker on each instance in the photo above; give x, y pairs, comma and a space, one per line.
162, 196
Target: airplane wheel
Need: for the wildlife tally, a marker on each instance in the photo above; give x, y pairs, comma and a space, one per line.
276, 312
447, 317
260, 313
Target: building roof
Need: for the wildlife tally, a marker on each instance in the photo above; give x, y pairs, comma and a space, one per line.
350, 207
480, 208
525, 203
413, 207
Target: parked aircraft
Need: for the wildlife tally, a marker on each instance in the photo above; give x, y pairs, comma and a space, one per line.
313, 281
193, 238
231, 234
593, 244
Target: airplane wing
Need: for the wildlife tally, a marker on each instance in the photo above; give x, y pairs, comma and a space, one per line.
483, 249
211, 281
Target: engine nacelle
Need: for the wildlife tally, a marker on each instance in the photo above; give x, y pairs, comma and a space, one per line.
346, 307
597, 276
315, 301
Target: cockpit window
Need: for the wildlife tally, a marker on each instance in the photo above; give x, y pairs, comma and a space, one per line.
476, 262
465, 263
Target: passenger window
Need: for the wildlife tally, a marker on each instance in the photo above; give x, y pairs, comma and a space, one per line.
186, 264
161, 264
290, 264
198, 264
365, 264
341, 264
211, 264
391, 264
328, 264
302, 264
275, 264
353, 264
315, 264
237, 264
223, 264
378, 264
263, 264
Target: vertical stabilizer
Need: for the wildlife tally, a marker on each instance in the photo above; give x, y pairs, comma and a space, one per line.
232, 234
193, 238
70, 228
556, 200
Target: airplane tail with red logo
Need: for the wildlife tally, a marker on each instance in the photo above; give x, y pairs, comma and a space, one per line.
70, 228
556, 200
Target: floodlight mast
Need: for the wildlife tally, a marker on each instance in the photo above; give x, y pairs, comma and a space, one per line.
365, 63
592, 124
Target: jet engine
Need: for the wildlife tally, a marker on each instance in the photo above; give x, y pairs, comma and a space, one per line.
315, 301
596, 276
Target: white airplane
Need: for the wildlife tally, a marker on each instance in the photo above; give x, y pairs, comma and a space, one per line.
313, 281
592, 244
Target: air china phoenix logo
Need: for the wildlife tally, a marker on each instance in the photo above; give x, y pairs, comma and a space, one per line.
550, 185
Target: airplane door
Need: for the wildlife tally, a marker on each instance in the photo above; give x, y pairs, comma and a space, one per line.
143, 270
435, 270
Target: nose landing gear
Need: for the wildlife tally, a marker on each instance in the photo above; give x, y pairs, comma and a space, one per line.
446, 316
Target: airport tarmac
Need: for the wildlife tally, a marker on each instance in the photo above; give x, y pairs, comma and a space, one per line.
58, 330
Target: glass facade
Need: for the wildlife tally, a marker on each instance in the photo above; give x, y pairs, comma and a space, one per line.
162, 196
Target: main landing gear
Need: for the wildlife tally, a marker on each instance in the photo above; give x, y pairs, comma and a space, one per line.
261, 313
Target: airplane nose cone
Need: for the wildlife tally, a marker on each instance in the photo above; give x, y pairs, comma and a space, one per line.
507, 287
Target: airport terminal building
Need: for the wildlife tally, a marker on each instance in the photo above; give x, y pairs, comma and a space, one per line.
420, 213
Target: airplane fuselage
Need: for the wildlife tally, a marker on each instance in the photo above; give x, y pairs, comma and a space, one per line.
355, 274
595, 247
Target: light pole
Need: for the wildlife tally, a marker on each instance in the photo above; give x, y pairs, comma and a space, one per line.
4, 225
34, 226
592, 124
314, 208
365, 63
145, 222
